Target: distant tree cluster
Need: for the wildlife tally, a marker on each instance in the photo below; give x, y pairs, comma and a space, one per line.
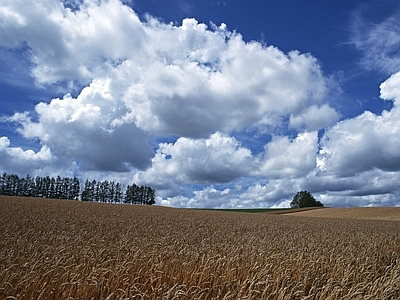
140, 195
102, 191
304, 199
42, 187
111, 192
69, 188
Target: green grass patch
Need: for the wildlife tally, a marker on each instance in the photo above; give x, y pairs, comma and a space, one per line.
277, 211
250, 210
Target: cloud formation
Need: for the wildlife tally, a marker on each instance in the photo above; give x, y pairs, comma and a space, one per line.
218, 159
134, 83
378, 42
367, 141
16, 159
147, 78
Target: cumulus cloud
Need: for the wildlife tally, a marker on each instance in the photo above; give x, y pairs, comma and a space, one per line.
244, 193
190, 80
87, 129
390, 89
222, 159
201, 81
357, 163
256, 195
314, 118
373, 187
146, 78
217, 159
15, 159
134, 82
365, 142
68, 45
288, 158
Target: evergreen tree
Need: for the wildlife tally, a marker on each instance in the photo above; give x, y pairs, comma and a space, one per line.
2, 183
118, 193
96, 190
38, 187
151, 196
137, 194
69, 188
29, 186
129, 194
86, 196
56, 187
75, 189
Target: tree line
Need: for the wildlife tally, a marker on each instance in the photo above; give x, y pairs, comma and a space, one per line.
41, 187
69, 188
111, 192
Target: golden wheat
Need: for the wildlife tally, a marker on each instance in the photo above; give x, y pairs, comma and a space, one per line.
371, 213
58, 249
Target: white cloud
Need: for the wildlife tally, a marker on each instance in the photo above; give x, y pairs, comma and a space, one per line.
17, 160
144, 81
4, 142
220, 158
390, 89
378, 43
245, 193
288, 158
199, 83
210, 197
86, 129
372, 187
266, 195
314, 118
187, 80
365, 142
71, 45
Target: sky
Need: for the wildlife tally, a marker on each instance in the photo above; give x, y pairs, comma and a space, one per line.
222, 104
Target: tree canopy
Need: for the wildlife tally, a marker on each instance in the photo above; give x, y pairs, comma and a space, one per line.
304, 199
69, 188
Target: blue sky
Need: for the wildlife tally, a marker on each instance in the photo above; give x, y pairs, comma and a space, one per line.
212, 103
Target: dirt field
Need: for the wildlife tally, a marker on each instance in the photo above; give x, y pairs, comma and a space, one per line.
371, 213
60, 249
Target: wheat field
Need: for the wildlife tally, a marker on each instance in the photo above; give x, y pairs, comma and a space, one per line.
60, 249
368, 213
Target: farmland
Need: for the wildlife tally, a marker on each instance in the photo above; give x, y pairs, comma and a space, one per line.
368, 213
60, 249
